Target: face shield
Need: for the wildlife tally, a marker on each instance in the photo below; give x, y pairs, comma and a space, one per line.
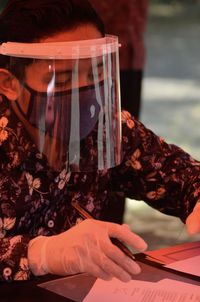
69, 100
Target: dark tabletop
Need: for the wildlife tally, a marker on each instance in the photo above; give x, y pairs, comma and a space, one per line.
78, 286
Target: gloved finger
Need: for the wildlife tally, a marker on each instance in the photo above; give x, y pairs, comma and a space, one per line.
98, 272
193, 221
84, 263
125, 235
126, 226
119, 257
111, 268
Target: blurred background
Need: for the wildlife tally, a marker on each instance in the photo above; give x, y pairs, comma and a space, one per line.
2, 4
170, 102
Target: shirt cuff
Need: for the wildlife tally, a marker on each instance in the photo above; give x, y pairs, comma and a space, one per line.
36, 250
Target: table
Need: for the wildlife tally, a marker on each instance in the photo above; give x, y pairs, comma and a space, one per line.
78, 286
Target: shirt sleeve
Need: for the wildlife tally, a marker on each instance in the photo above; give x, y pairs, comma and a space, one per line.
13, 258
161, 174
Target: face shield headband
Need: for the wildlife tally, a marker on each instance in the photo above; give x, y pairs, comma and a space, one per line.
70, 101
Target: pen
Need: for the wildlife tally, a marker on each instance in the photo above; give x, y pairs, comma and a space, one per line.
86, 215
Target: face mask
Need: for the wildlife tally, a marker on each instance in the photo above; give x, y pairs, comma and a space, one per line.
53, 113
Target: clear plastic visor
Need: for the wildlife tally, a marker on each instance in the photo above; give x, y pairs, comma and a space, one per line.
69, 101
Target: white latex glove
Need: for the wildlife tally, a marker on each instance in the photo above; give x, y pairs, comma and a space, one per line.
193, 220
86, 247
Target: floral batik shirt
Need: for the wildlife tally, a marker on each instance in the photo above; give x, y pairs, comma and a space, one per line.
35, 200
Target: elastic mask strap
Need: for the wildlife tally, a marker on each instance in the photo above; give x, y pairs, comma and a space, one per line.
26, 116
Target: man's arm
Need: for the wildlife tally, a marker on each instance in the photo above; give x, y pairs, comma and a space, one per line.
163, 175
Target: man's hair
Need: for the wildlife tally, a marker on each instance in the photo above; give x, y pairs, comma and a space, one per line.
29, 21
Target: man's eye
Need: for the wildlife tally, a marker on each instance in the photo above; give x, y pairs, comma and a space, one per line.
62, 84
63, 79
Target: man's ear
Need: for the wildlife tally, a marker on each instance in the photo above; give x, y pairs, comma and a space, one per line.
9, 85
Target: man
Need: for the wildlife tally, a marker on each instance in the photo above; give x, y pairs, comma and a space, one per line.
60, 144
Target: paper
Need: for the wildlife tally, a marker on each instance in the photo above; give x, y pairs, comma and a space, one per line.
141, 291
167, 290
179, 284
189, 265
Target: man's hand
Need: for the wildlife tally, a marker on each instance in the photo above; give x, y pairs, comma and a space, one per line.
193, 221
87, 247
